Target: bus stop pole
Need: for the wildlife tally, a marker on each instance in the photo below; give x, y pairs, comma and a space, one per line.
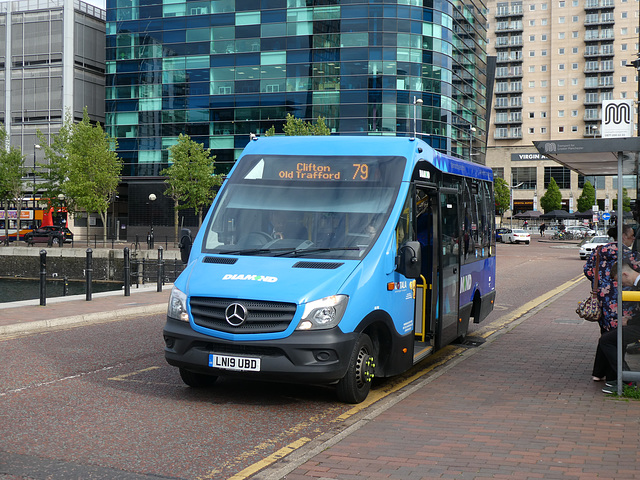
620, 221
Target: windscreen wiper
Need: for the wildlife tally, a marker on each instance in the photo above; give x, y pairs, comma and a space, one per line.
252, 251
306, 251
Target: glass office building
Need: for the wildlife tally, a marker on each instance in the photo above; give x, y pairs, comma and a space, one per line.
220, 70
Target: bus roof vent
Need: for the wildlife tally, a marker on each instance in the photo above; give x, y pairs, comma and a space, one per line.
318, 265
222, 260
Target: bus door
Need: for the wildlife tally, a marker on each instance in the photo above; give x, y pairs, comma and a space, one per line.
426, 208
449, 256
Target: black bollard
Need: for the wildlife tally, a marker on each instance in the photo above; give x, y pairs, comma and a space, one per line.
160, 269
127, 273
65, 286
89, 273
43, 277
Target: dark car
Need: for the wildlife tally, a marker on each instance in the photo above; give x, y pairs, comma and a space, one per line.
500, 232
51, 235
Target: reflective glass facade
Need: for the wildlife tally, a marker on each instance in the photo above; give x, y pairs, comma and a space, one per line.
222, 69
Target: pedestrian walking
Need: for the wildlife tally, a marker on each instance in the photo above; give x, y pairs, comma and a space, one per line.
543, 227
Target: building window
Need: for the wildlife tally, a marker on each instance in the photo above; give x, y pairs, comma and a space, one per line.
543, 53
543, 68
561, 19
543, 99
543, 38
561, 4
560, 113
560, 129
561, 82
574, 97
543, 21
574, 113
532, 84
532, 38
543, 129
623, 79
561, 66
524, 175
498, 172
574, 66
532, 7
532, 115
561, 35
574, 128
562, 176
532, 68
561, 51
532, 99
575, 19
532, 53
532, 130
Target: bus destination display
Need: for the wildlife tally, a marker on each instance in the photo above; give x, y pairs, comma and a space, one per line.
316, 171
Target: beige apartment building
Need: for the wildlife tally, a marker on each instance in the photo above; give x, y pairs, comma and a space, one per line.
556, 61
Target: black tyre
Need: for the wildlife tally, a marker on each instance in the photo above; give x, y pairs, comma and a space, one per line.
355, 385
197, 380
55, 242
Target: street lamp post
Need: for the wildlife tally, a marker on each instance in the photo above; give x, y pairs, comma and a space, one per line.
416, 101
152, 198
35, 147
471, 130
511, 202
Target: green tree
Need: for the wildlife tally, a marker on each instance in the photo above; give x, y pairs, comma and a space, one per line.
191, 178
588, 197
626, 201
552, 199
298, 127
501, 194
84, 167
11, 172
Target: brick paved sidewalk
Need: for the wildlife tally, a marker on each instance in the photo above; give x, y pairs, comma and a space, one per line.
522, 406
28, 316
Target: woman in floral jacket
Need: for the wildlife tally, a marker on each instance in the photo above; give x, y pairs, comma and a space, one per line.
608, 290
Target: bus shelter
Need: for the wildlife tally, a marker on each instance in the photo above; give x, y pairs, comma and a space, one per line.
603, 156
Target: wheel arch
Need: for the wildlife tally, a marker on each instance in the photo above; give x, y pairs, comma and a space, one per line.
378, 325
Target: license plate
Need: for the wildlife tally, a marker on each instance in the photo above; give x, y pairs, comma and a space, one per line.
229, 362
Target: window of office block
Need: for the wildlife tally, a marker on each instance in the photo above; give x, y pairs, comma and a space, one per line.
562, 176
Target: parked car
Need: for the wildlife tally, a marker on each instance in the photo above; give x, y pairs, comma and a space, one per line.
581, 231
51, 235
589, 245
500, 232
516, 235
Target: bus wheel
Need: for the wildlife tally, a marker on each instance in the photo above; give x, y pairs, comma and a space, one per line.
355, 385
197, 380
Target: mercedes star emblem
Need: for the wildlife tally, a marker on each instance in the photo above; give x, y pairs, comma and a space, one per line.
236, 314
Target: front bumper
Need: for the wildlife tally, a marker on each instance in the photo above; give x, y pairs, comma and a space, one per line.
320, 356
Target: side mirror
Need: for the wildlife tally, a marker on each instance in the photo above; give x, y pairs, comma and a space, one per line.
185, 245
410, 260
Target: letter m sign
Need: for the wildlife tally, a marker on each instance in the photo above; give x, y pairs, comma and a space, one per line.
617, 118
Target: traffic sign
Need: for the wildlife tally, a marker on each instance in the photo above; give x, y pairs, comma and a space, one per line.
606, 216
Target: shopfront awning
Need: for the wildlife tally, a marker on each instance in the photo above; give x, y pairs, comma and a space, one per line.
597, 156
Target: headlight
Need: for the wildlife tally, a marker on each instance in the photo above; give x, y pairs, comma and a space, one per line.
178, 305
324, 313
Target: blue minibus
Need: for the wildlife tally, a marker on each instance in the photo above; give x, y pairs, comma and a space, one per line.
334, 260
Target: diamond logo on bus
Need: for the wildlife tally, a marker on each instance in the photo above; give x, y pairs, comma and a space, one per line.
236, 314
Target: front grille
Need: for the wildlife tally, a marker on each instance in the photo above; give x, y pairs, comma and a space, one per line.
221, 260
262, 317
318, 265
241, 350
